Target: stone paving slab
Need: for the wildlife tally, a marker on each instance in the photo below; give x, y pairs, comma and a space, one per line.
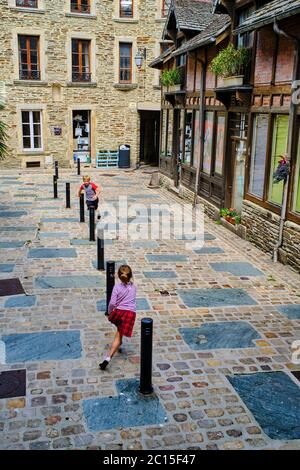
194, 298
221, 335
5, 245
12, 214
128, 409
237, 268
20, 301
291, 311
6, 268
54, 235
51, 253
53, 345
274, 400
68, 282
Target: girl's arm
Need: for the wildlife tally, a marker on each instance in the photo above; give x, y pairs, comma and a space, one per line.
113, 300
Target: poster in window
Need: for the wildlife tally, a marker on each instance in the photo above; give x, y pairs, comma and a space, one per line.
208, 141
220, 145
280, 136
196, 146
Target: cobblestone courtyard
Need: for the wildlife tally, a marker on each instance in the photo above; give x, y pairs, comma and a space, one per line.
223, 333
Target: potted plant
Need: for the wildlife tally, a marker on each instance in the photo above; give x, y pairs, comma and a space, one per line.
230, 64
171, 79
231, 216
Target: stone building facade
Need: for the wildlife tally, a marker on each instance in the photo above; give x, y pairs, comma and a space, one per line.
65, 94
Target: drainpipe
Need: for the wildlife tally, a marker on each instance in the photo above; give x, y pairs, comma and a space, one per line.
291, 133
202, 98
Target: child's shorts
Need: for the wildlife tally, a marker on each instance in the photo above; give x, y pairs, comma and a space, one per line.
93, 204
124, 321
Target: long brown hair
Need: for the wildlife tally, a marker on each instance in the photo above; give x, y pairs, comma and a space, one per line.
125, 273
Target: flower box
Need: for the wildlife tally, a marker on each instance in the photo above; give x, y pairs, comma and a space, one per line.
237, 80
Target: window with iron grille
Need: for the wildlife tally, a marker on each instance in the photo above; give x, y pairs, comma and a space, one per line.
125, 69
81, 60
32, 130
80, 6
165, 8
27, 3
126, 8
29, 62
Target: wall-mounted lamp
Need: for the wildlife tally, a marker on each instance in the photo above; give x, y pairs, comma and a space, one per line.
140, 56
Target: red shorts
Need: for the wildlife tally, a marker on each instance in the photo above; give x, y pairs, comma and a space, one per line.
124, 321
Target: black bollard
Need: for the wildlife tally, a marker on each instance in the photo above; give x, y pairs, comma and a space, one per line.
100, 250
78, 166
110, 281
146, 356
55, 186
56, 169
68, 199
81, 207
92, 224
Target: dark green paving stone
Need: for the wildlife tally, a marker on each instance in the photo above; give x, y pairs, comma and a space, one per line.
18, 229
237, 268
160, 274
10, 214
59, 219
54, 235
128, 409
52, 253
274, 400
11, 287
6, 268
69, 282
196, 298
12, 383
45, 346
117, 265
193, 237
141, 304
145, 244
208, 250
220, 335
20, 301
11, 244
290, 311
166, 258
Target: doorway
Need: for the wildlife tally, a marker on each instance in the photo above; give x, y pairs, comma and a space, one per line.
149, 137
239, 123
81, 135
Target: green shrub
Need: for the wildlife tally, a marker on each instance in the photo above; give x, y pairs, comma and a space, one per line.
230, 61
171, 77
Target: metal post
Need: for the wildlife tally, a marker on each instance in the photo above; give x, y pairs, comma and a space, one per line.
55, 186
92, 224
78, 166
81, 206
110, 281
56, 169
68, 199
100, 250
146, 356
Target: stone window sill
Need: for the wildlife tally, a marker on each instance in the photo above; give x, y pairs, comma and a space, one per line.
32, 153
31, 82
160, 20
82, 84
89, 16
126, 20
125, 86
29, 10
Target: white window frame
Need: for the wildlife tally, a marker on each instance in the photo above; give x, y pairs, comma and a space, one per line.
32, 148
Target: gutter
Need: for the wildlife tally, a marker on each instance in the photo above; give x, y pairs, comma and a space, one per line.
291, 135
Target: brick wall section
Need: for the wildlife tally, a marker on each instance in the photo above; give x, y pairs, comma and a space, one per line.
266, 40
285, 61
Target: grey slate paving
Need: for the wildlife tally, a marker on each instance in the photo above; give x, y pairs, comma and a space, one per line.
20, 301
7, 268
167, 258
221, 335
69, 282
194, 298
51, 253
12, 214
128, 409
290, 311
53, 345
237, 268
274, 400
160, 274
4, 245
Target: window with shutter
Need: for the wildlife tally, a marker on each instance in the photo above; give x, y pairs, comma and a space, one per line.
258, 155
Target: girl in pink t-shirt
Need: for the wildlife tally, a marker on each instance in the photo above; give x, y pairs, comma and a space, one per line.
121, 310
